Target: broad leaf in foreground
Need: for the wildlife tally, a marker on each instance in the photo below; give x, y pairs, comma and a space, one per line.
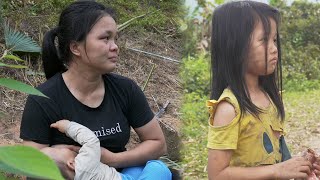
27, 161
19, 86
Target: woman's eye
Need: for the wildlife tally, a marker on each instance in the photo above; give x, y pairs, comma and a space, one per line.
105, 38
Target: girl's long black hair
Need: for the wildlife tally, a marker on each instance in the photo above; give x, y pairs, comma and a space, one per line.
232, 27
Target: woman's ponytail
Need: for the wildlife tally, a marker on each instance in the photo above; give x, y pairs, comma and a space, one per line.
52, 64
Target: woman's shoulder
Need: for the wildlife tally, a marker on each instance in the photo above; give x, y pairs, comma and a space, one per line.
49, 87
51, 83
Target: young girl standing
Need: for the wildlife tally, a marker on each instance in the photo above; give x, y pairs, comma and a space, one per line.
246, 127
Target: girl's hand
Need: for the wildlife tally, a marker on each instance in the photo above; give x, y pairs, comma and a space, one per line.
61, 125
297, 167
316, 167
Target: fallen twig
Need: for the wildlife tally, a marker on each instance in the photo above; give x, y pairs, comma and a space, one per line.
145, 84
152, 54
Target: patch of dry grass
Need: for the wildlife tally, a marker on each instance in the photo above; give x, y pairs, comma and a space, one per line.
302, 120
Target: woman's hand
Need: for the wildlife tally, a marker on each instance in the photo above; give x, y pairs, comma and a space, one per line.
297, 167
61, 125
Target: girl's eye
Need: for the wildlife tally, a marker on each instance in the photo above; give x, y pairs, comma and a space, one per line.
264, 39
275, 40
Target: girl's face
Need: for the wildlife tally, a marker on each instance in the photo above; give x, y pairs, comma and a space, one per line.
256, 63
100, 51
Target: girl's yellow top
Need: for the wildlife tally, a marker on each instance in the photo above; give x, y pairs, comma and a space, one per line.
252, 139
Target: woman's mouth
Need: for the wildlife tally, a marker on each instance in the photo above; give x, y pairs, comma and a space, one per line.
113, 59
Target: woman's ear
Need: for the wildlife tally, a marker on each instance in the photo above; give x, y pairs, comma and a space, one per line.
75, 48
71, 164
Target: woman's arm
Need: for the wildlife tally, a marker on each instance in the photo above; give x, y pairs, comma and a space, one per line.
153, 145
34, 144
219, 169
40, 146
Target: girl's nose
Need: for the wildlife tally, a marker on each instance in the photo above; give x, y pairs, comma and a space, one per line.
273, 48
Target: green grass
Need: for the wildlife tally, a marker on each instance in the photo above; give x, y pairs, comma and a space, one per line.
162, 18
302, 126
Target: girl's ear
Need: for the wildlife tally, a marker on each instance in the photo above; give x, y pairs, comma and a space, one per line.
71, 164
75, 48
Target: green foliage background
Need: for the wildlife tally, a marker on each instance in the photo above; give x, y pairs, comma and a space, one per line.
300, 37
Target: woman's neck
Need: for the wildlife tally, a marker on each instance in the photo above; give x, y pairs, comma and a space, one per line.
81, 80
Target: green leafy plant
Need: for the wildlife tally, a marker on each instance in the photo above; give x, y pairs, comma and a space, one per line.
17, 41
18, 159
29, 162
195, 74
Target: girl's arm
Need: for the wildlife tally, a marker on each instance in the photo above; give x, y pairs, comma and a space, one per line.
152, 147
219, 160
219, 169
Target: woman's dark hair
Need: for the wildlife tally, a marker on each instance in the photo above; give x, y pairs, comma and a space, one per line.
232, 27
75, 22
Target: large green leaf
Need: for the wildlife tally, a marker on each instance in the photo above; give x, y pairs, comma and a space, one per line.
17, 41
28, 161
2, 176
13, 66
19, 86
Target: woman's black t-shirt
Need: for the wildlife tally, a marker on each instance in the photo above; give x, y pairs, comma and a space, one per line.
124, 106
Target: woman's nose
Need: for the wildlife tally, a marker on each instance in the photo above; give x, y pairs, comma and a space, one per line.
114, 47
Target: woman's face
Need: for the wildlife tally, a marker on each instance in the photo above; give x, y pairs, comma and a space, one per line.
100, 51
256, 59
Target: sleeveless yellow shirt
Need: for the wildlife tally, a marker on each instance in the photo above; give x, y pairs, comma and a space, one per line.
252, 139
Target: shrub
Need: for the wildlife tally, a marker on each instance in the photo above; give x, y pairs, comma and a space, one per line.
195, 75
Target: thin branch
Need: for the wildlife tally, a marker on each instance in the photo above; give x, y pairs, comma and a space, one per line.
153, 66
152, 54
127, 23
